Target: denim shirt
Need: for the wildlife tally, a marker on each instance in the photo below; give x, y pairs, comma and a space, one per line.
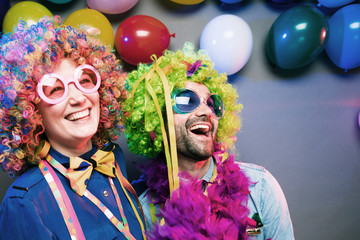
266, 198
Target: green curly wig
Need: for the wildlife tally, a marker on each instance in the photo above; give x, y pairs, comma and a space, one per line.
143, 123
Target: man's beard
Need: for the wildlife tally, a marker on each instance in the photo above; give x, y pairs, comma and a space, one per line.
189, 147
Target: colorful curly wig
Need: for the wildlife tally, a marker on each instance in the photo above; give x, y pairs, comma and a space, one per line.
27, 54
143, 123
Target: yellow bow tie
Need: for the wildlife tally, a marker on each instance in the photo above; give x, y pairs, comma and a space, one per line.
80, 170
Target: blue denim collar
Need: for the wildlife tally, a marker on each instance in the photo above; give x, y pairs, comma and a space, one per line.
210, 172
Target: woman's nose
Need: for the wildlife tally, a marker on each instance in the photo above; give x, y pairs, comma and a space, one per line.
75, 95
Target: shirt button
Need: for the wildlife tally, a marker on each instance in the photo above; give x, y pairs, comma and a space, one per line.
105, 193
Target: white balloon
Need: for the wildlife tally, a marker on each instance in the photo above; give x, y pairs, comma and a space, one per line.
228, 40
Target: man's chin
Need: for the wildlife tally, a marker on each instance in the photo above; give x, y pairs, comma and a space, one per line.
204, 154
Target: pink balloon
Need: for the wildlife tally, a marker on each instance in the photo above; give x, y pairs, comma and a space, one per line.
111, 6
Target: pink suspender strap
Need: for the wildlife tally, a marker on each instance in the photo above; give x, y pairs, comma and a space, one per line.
122, 226
63, 201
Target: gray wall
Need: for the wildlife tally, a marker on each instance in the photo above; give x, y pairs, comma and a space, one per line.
299, 124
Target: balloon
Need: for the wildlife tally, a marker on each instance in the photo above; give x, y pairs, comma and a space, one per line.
30, 12
139, 37
297, 37
111, 6
5, 6
97, 24
59, 1
334, 3
187, 2
228, 40
343, 46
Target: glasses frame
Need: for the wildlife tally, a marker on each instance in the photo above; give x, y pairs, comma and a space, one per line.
201, 100
66, 82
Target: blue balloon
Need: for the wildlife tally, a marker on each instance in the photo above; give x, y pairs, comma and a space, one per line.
343, 46
5, 6
297, 37
334, 3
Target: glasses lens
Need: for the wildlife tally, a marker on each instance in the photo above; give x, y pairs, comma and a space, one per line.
53, 88
87, 78
216, 104
186, 100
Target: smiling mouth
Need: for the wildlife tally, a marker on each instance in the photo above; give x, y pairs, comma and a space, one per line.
78, 115
200, 129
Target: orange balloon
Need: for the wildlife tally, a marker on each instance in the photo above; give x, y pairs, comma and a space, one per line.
97, 25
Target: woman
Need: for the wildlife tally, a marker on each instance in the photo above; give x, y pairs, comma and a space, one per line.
62, 94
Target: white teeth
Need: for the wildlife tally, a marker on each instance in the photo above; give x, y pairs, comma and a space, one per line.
78, 115
206, 127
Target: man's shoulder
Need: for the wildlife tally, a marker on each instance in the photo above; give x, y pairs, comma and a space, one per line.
251, 167
253, 171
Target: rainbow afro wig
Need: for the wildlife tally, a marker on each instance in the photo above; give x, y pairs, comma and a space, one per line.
32, 51
149, 86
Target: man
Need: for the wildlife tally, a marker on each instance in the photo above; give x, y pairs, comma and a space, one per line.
183, 113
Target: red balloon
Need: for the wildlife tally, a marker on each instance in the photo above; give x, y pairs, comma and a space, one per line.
140, 36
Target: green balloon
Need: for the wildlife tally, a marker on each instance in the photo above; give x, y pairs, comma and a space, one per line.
297, 37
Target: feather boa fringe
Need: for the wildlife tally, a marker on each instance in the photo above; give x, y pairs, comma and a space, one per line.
191, 214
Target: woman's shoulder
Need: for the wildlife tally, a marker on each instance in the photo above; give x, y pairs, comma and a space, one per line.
25, 184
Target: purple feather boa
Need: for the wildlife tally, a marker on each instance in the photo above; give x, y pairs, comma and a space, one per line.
190, 214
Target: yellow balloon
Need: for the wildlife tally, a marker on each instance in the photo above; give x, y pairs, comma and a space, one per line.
97, 25
30, 12
188, 2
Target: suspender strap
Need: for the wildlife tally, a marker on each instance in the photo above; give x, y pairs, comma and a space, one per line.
63, 201
123, 181
68, 209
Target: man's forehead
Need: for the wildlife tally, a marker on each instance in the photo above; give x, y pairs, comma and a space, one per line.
198, 87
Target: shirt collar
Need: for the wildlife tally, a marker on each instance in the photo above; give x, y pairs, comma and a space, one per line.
64, 160
210, 172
